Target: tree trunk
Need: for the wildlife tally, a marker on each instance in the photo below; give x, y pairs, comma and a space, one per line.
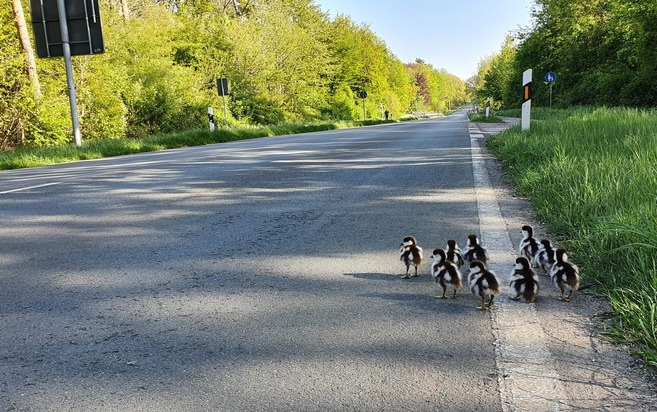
24, 37
124, 9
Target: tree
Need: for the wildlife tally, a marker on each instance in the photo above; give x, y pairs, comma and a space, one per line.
24, 38
500, 76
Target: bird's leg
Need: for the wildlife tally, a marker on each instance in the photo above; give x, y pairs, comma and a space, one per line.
483, 305
567, 298
454, 295
490, 303
562, 296
406, 275
415, 275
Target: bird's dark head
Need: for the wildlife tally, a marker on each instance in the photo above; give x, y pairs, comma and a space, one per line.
408, 241
522, 263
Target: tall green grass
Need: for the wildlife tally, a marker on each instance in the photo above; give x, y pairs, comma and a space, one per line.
592, 176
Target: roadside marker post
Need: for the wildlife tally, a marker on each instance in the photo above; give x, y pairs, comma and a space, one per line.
487, 107
526, 99
211, 118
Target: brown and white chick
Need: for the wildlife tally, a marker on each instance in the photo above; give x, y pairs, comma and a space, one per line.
524, 281
528, 246
454, 253
564, 275
475, 251
410, 254
545, 257
445, 273
483, 283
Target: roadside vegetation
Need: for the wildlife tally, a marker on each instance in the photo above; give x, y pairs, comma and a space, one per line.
23, 157
286, 61
481, 117
592, 177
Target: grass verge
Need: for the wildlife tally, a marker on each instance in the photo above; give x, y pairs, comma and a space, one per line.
95, 149
592, 176
481, 118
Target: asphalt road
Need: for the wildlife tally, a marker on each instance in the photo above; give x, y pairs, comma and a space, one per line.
259, 275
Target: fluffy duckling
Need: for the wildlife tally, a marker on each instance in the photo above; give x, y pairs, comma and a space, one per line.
444, 272
483, 283
545, 257
528, 245
475, 251
454, 253
411, 254
524, 281
564, 275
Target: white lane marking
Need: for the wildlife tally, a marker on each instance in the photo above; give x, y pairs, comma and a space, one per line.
527, 378
21, 189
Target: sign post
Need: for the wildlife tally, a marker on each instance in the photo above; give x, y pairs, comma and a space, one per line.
363, 94
487, 107
67, 28
526, 99
222, 89
550, 78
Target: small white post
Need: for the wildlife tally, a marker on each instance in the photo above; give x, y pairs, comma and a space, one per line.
211, 118
527, 99
487, 107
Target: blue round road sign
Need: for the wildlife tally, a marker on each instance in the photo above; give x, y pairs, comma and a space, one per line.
550, 77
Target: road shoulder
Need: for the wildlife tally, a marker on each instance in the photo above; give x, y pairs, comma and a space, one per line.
596, 375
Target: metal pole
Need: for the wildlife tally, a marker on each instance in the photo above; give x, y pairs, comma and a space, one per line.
225, 109
363, 110
66, 46
550, 95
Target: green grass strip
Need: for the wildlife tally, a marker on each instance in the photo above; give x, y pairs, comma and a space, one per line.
95, 149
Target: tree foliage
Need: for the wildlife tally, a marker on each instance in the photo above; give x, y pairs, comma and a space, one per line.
286, 61
603, 52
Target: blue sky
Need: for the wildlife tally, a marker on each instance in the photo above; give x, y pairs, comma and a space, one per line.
448, 34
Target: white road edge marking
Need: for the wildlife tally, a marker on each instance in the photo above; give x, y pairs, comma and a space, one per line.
21, 189
526, 376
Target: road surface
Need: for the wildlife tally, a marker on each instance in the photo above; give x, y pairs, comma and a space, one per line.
264, 275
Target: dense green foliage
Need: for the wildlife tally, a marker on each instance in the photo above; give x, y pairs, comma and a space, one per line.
286, 61
592, 176
603, 52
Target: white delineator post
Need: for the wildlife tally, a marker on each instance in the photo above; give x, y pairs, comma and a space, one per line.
487, 107
526, 99
211, 118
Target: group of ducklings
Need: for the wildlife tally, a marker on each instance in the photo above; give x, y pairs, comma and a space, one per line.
446, 265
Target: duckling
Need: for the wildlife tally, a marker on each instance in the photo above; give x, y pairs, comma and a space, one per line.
483, 283
444, 272
564, 275
411, 254
454, 254
475, 251
524, 281
545, 256
528, 245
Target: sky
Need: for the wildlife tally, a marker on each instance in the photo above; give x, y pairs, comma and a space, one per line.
454, 35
